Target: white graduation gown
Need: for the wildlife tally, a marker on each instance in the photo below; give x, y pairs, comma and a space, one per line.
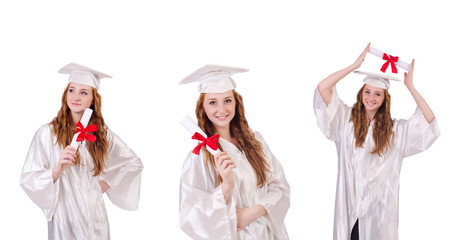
73, 204
368, 184
203, 212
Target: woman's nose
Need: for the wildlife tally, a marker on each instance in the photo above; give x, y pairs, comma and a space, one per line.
220, 108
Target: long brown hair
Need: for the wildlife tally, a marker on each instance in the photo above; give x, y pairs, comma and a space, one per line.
63, 128
241, 131
382, 133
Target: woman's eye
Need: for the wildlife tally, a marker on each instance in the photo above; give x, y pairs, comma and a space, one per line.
71, 90
228, 100
212, 102
378, 94
367, 92
84, 93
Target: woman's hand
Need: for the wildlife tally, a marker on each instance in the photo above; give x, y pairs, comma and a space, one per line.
247, 215
104, 186
408, 77
224, 166
67, 157
362, 56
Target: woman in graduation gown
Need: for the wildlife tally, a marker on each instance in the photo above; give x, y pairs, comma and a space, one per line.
370, 147
68, 183
241, 192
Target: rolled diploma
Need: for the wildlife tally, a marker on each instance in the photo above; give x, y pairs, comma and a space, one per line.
399, 63
85, 119
192, 128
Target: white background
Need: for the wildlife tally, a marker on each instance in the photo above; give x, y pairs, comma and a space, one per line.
289, 46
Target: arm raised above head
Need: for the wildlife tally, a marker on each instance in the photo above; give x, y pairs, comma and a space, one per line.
420, 101
326, 85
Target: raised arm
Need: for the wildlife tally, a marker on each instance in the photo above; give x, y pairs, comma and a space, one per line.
326, 85
420, 101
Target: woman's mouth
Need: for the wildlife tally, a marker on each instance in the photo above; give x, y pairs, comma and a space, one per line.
222, 118
370, 104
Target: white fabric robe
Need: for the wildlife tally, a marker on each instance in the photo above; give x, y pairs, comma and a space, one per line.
367, 184
204, 214
73, 204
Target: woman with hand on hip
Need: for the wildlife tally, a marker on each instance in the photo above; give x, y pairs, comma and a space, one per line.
241, 192
68, 183
370, 147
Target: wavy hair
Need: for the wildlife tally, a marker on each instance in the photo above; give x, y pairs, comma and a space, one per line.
382, 133
63, 127
240, 130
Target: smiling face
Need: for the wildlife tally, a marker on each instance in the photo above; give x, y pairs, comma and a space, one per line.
79, 97
372, 98
220, 108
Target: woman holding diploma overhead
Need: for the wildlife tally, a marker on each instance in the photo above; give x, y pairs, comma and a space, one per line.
241, 192
370, 147
68, 183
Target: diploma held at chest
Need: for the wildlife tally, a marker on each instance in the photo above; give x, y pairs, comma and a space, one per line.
85, 119
192, 128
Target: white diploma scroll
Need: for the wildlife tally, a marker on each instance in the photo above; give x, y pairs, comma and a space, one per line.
192, 128
399, 63
85, 119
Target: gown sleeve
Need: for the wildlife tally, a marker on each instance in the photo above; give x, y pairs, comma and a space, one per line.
36, 177
122, 174
277, 199
333, 117
203, 211
416, 134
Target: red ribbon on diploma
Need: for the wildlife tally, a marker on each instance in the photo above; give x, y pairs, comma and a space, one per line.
389, 59
210, 141
84, 132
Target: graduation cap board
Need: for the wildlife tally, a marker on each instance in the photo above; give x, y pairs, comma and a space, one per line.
83, 75
377, 79
214, 78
